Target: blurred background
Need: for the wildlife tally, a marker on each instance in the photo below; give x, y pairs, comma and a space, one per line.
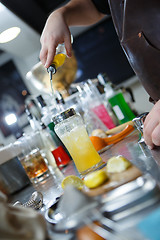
20, 56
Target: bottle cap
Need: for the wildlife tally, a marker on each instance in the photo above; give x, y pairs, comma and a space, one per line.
51, 70
41, 101
63, 115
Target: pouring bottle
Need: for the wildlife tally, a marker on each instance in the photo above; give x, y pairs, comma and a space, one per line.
59, 59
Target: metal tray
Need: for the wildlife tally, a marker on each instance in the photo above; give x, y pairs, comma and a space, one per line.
119, 203
131, 201
71, 223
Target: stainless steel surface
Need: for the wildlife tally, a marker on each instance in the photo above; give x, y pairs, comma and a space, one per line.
148, 161
142, 193
127, 204
128, 194
35, 201
64, 115
60, 224
12, 177
50, 189
139, 120
51, 70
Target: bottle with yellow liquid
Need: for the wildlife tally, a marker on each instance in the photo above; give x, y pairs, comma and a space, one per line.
70, 129
59, 59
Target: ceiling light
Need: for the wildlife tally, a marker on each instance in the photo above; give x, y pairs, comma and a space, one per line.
2, 7
11, 119
9, 34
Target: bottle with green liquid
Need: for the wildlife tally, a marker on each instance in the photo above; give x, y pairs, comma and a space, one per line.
121, 108
117, 102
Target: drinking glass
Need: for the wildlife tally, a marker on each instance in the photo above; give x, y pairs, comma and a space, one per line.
71, 130
33, 158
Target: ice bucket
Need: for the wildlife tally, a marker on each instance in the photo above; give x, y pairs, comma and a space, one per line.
12, 175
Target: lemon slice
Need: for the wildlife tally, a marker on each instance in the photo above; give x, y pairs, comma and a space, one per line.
72, 180
95, 179
117, 164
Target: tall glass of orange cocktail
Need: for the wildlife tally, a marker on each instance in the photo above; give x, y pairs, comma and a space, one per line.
71, 130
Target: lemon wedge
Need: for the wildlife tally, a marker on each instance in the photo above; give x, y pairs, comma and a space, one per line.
72, 180
95, 179
117, 164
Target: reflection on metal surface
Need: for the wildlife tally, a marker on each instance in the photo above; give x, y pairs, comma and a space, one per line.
131, 194
146, 161
139, 121
35, 201
127, 204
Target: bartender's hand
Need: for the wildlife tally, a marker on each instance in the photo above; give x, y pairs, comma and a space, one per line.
55, 31
151, 128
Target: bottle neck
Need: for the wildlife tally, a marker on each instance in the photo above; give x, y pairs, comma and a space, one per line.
51, 70
109, 91
34, 123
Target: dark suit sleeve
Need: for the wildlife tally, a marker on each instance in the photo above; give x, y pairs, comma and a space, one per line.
102, 6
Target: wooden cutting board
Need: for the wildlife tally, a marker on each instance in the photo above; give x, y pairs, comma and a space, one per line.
115, 180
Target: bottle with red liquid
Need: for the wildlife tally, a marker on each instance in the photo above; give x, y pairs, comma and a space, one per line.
54, 149
60, 153
96, 104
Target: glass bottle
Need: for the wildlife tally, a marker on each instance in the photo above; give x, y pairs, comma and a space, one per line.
91, 120
117, 102
71, 130
58, 60
45, 140
60, 153
96, 104
60, 103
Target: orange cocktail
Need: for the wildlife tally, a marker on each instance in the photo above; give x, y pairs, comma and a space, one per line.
81, 149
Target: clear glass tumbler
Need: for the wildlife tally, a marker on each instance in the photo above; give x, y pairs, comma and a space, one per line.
33, 158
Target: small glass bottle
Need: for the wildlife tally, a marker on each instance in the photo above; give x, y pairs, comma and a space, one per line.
96, 104
117, 102
71, 130
91, 120
59, 58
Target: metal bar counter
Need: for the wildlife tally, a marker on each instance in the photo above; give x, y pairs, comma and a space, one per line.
148, 161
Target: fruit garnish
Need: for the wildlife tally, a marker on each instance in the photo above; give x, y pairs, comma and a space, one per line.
95, 179
72, 180
117, 164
